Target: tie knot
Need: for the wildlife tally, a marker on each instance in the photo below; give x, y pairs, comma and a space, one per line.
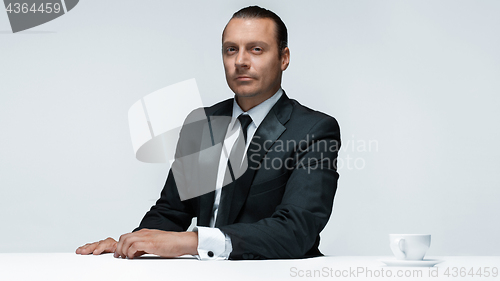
245, 121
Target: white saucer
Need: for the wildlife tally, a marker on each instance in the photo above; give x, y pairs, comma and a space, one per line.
421, 263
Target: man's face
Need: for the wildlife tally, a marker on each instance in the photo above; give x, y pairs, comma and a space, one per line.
251, 61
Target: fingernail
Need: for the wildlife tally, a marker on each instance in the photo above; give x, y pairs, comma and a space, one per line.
115, 255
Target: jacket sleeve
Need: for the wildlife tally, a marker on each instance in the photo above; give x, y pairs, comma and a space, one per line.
294, 227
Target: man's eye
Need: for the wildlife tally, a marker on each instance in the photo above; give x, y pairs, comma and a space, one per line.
230, 50
257, 49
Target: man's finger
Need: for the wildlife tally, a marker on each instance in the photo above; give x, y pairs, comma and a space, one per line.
81, 247
125, 241
86, 249
139, 253
105, 246
119, 245
136, 249
129, 241
101, 247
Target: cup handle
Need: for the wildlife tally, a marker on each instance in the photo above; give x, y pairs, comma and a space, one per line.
400, 242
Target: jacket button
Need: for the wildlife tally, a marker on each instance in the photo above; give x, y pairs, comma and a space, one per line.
210, 253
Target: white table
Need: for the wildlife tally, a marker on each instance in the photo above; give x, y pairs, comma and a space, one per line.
69, 266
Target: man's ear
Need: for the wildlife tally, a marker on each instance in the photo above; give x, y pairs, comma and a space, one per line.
285, 58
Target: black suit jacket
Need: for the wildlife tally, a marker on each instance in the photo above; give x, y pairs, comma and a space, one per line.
283, 200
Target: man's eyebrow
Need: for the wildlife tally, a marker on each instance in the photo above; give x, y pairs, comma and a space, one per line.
258, 43
227, 43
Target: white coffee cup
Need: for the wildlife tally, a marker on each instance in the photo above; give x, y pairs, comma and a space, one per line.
409, 246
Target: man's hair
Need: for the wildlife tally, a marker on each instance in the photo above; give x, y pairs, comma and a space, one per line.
256, 12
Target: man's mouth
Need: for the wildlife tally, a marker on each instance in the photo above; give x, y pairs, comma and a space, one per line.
244, 78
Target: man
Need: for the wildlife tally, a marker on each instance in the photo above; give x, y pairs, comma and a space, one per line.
280, 204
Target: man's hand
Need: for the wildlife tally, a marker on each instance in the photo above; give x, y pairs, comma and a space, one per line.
104, 246
157, 242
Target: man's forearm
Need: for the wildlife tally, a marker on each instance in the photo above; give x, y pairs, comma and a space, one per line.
191, 242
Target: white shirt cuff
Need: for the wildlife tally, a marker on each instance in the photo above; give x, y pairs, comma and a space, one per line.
212, 244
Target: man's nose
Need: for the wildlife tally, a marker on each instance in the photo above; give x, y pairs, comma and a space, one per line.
242, 59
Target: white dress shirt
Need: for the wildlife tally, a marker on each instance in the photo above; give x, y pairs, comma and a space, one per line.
212, 243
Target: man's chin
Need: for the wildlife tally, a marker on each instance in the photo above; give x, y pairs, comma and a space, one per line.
245, 95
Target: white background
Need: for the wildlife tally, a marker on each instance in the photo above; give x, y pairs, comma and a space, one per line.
419, 79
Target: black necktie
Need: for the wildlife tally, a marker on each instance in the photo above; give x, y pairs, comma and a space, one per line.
245, 121
238, 151
237, 156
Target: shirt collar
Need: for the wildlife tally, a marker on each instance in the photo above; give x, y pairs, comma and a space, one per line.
258, 112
